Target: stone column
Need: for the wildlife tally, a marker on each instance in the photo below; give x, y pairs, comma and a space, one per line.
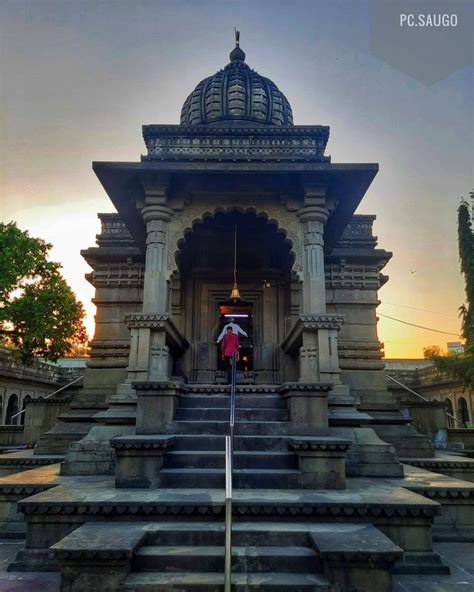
319, 360
149, 356
313, 218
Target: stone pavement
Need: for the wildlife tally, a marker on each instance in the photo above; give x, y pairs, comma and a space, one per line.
22, 582
459, 556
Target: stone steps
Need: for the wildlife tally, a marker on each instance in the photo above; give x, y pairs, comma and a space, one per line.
247, 428
242, 479
187, 459
241, 414
243, 533
245, 559
188, 556
216, 443
223, 401
214, 582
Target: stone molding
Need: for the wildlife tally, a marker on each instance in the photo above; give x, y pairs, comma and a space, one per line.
143, 443
437, 493
289, 389
161, 387
241, 389
50, 401
434, 464
174, 338
310, 444
24, 490
96, 554
31, 461
310, 322
332, 510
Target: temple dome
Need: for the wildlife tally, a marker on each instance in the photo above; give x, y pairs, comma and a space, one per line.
236, 94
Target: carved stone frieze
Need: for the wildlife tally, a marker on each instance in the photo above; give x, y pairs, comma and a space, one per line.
322, 321
262, 143
360, 349
344, 276
139, 320
358, 232
117, 275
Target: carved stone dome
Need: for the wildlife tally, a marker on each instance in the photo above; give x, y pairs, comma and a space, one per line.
236, 94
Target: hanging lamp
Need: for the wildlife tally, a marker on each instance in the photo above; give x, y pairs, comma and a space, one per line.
235, 293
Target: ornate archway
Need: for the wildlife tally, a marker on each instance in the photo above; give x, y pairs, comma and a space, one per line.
203, 280
277, 214
463, 411
12, 409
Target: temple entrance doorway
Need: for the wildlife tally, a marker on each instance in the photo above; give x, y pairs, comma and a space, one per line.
201, 290
242, 314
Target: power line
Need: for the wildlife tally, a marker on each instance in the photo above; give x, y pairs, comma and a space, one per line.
418, 326
414, 308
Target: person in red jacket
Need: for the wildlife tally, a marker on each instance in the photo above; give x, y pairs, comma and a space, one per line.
229, 346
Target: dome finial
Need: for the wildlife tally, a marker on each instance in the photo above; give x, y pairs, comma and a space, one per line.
237, 55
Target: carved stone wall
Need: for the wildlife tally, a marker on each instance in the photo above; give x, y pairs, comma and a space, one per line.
117, 276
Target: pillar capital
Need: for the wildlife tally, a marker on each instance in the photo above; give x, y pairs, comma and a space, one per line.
313, 213
156, 212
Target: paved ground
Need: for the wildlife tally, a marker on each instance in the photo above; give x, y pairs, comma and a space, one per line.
23, 582
459, 556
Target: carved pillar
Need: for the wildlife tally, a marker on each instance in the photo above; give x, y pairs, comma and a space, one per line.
149, 355
318, 352
313, 219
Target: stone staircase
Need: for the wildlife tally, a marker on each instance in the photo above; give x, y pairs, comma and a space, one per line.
190, 556
298, 525
261, 460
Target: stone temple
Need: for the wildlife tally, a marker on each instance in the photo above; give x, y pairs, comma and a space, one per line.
321, 499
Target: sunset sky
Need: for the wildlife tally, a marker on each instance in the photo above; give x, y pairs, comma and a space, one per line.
79, 78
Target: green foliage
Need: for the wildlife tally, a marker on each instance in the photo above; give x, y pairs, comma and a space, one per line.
466, 257
39, 313
431, 351
461, 366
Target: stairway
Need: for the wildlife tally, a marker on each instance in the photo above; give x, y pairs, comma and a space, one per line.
261, 460
190, 556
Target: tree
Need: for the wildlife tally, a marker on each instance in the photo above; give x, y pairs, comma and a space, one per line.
39, 313
461, 366
431, 351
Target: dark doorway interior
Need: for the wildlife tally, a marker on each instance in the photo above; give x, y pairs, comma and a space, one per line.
242, 313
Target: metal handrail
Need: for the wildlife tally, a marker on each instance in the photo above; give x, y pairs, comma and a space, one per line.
51, 394
229, 467
421, 396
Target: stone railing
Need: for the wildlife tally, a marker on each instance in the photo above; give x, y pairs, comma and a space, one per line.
37, 371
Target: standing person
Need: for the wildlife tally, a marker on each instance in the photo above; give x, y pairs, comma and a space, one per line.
236, 329
230, 346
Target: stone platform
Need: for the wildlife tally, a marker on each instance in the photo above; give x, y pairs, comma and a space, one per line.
18, 486
404, 516
452, 464
25, 460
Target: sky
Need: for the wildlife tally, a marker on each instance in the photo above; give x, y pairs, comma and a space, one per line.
79, 77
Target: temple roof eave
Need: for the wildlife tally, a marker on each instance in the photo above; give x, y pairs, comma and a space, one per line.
346, 184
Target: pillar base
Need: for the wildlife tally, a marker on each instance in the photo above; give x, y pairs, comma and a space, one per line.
140, 460
321, 461
156, 405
